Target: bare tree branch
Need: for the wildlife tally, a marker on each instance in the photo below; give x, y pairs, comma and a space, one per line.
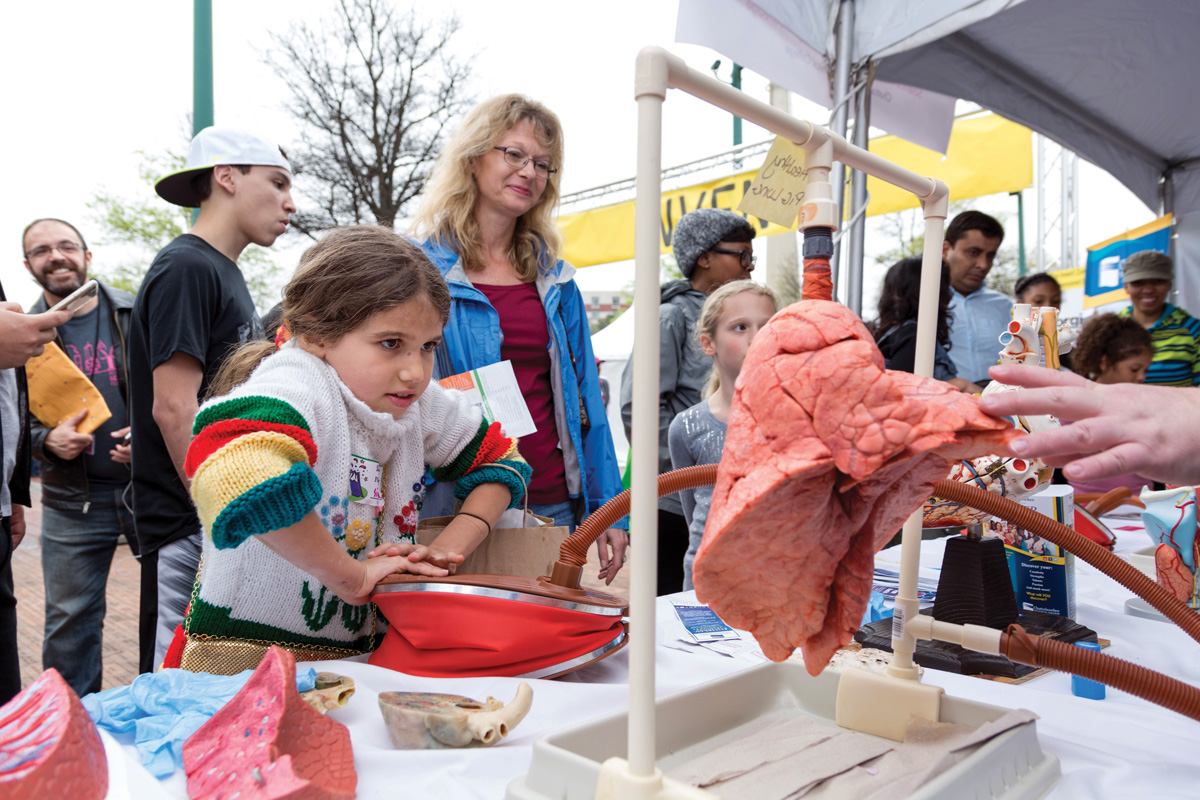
373, 93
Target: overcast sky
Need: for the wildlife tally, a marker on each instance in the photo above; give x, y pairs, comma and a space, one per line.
87, 85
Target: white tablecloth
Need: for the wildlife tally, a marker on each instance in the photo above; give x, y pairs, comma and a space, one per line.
1118, 747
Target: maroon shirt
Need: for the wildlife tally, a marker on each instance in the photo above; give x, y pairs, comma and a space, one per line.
527, 345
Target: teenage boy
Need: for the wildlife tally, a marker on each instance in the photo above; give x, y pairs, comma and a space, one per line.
712, 247
192, 309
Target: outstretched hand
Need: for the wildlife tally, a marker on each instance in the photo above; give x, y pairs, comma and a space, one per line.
1118, 429
428, 555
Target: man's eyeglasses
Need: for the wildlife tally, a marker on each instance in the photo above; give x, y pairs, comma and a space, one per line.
66, 248
517, 159
747, 258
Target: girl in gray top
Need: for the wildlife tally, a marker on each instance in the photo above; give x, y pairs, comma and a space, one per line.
732, 315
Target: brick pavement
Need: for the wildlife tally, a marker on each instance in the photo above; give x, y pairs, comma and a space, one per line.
121, 618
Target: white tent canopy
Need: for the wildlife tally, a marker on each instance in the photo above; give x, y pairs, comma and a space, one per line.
1108, 79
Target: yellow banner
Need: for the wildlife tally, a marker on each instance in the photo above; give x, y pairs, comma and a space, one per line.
987, 155
1069, 278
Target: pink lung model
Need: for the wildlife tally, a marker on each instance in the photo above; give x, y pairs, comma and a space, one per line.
49, 746
268, 744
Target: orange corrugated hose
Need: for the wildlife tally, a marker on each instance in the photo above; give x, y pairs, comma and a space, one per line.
818, 280
1015, 643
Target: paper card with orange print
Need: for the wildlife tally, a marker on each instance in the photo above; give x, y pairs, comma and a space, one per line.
494, 390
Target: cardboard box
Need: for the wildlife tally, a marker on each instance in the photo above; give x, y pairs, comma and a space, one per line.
1043, 574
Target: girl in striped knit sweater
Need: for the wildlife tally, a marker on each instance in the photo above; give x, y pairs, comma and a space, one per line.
314, 456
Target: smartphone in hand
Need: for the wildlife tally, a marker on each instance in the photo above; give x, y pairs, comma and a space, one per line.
78, 298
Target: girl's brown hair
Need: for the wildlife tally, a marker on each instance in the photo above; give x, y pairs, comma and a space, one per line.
1111, 337
351, 274
710, 315
447, 213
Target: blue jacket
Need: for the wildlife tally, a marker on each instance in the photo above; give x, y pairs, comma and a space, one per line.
472, 338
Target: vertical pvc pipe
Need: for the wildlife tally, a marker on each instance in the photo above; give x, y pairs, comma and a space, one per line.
1064, 205
841, 89
643, 518
907, 605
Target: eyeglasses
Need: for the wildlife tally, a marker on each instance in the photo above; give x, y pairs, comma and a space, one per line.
746, 258
66, 248
517, 159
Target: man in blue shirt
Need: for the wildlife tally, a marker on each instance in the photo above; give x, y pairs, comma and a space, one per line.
980, 314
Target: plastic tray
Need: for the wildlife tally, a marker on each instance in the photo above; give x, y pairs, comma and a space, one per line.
566, 764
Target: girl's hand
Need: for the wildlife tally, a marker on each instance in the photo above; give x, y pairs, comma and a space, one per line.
377, 569
419, 553
611, 546
436, 556
391, 549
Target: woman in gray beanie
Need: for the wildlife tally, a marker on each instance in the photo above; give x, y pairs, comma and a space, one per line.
712, 247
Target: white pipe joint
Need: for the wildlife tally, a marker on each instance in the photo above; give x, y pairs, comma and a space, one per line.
819, 209
973, 637
652, 72
937, 202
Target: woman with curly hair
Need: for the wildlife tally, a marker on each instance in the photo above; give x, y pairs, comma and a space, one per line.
896, 328
487, 222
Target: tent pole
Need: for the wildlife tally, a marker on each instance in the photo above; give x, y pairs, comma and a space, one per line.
1040, 247
854, 264
841, 91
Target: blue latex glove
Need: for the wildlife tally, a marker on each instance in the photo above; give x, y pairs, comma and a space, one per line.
877, 608
164, 708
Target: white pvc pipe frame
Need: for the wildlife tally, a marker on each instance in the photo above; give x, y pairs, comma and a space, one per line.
656, 71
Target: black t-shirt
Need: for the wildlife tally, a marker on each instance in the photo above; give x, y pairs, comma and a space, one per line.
193, 300
91, 341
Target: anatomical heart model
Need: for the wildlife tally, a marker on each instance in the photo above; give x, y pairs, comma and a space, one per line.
428, 721
1170, 519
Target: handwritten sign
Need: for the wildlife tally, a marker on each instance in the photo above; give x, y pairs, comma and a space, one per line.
777, 191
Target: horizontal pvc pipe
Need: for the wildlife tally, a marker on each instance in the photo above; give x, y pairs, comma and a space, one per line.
974, 637
680, 76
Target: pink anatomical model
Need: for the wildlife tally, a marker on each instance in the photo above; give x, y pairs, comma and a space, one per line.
49, 746
826, 454
267, 743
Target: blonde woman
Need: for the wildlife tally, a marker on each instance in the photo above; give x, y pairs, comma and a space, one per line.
487, 223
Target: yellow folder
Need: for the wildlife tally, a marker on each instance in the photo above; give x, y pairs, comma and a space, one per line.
58, 390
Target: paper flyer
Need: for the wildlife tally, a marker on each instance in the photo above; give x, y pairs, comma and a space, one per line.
494, 390
703, 623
